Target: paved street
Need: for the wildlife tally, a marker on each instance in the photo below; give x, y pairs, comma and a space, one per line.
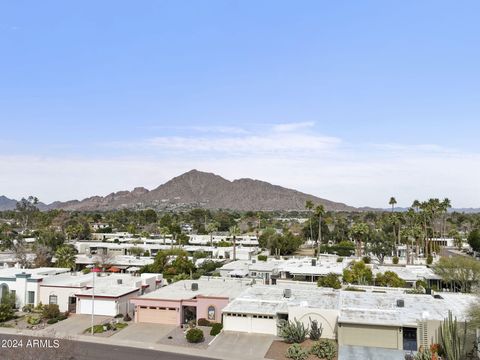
77, 350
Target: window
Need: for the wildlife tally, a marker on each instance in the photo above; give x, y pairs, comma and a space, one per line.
52, 299
14, 293
31, 297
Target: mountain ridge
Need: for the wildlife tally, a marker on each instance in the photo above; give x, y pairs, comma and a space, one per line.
198, 189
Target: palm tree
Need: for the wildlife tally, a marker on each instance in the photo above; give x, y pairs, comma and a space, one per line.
444, 206
65, 257
211, 228
164, 231
393, 202
234, 231
309, 207
319, 212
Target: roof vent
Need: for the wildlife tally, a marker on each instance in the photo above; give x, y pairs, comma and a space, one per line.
436, 296
287, 293
119, 281
254, 261
314, 262
194, 286
400, 303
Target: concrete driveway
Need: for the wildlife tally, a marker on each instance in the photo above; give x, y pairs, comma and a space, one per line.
250, 346
76, 324
143, 332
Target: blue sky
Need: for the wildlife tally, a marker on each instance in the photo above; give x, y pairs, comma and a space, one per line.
380, 98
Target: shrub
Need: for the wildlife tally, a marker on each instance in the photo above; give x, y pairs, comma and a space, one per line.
121, 326
50, 311
33, 320
52, 321
395, 260
28, 308
292, 331
324, 349
203, 322
118, 316
86, 271
340, 259
429, 260
62, 317
353, 288
421, 284
97, 329
195, 335
330, 280
127, 318
216, 329
262, 257
366, 259
296, 352
315, 330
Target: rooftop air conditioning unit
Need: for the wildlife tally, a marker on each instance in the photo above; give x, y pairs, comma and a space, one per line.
287, 293
314, 262
194, 286
119, 281
400, 303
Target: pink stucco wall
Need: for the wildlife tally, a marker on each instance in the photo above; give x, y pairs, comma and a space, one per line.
203, 303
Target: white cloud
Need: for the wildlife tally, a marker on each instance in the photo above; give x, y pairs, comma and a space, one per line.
289, 127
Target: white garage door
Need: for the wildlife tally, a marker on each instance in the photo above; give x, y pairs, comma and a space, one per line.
250, 323
157, 315
102, 307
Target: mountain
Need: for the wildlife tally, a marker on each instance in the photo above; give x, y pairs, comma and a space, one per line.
6, 203
206, 190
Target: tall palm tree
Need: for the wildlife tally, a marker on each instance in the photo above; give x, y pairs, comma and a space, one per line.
392, 203
234, 232
65, 255
309, 207
211, 228
164, 231
319, 212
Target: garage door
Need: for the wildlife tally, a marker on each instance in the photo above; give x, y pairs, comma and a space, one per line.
250, 323
157, 315
374, 336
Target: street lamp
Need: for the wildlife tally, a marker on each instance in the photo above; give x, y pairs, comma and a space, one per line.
94, 270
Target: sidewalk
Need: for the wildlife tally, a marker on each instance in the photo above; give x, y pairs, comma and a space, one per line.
209, 353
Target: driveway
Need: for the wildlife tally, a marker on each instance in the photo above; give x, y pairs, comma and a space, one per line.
76, 324
143, 332
250, 346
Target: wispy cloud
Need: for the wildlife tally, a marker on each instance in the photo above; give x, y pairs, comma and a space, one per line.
293, 126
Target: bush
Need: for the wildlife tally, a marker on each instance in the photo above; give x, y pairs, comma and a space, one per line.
296, 352
50, 311
86, 271
292, 331
52, 321
324, 349
33, 320
395, 260
97, 329
315, 330
6, 312
195, 335
63, 316
118, 316
331, 281
429, 260
203, 322
366, 259
340, 259
127, 318
28, 308
216, 329
262, 257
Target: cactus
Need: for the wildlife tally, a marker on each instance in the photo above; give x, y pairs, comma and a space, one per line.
292, 331
296, 352
315, 330
452, 338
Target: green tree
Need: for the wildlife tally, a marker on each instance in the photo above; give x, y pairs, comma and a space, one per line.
460, 272
309, 207
359, 233
358, 273
319, 212
330, 280
389, 279
65, 256
474, 240
234, 232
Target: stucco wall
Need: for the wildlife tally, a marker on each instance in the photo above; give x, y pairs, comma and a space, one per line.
203, 303
327, 318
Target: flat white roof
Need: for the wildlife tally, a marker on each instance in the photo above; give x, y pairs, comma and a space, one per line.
209, 287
